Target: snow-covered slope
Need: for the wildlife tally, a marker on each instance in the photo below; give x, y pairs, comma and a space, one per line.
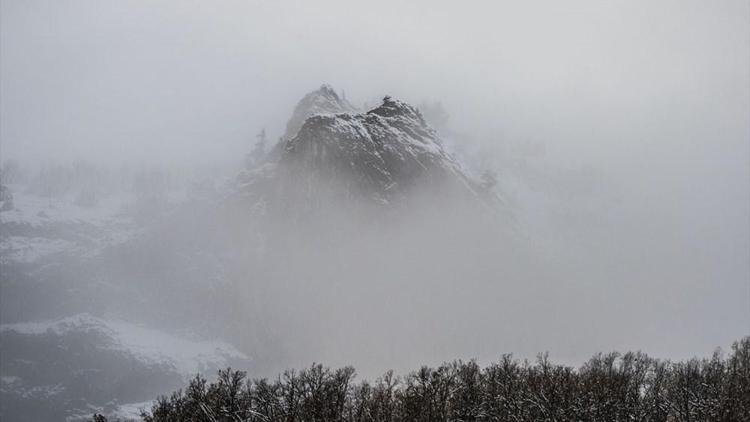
80, 364
60, 257
185, 356
35, 228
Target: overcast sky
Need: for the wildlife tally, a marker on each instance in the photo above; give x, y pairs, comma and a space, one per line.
183, 81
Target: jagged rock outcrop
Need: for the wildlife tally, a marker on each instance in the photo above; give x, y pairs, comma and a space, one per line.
324, 100
380, 154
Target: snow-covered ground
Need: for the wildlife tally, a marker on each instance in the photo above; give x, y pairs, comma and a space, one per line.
79, 365
37, 228
185, 355
26, 250
37, 211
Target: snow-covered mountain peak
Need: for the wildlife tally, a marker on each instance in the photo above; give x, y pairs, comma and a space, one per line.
341, 157
327, 90
380, 153
324, 100
392, 107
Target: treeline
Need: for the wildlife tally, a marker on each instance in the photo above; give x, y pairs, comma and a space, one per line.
609, 387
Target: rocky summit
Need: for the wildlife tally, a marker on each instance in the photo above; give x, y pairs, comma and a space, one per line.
382, 155
321, 101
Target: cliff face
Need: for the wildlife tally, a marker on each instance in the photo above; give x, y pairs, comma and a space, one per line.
380, 154
323, 100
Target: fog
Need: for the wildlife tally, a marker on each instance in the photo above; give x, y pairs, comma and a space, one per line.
618, 133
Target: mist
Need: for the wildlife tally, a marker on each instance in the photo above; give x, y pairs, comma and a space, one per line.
587, 185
